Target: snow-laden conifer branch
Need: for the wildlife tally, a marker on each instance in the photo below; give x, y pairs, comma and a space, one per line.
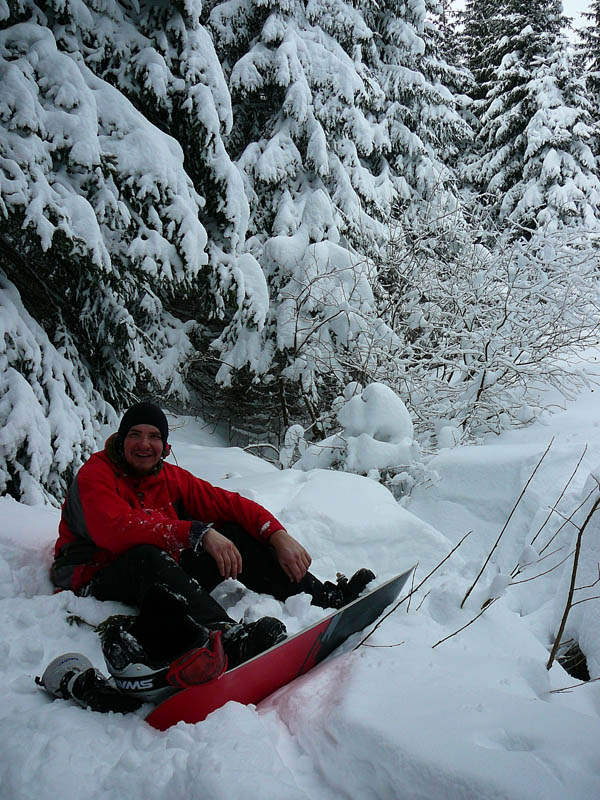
46, 401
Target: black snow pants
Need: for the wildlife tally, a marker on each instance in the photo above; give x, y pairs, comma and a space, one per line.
129, 577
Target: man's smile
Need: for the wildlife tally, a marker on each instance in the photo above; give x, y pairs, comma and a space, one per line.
143, 447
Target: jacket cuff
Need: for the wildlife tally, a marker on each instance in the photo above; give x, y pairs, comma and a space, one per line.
197, 531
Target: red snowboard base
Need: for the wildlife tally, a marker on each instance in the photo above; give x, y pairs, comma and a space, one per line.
254, 680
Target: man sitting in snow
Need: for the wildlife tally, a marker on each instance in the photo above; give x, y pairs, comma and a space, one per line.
147, 533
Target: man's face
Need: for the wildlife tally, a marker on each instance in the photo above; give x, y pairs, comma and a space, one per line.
143, 448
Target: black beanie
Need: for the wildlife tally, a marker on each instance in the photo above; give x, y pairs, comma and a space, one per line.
143, 414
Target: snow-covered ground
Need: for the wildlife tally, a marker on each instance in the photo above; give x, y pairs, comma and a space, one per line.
473, 717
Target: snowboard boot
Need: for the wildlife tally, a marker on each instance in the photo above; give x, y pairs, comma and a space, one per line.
152, 677
243, 641
353, 588
344, 591
72, 676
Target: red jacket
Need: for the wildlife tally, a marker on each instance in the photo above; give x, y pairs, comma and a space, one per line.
107, 511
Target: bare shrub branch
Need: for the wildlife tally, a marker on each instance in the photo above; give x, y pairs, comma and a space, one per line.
590, 585
571, 592
567, 520
547, 572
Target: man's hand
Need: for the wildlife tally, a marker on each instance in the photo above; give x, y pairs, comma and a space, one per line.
292, 556
224, 552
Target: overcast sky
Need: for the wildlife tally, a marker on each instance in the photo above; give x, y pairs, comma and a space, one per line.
573, 8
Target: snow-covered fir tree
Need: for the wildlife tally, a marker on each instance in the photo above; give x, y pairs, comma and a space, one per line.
533, 159
424, 99
483, 24
49, 409
310, 140
100, 218
162, 58
590, 56
341, 119
446, 24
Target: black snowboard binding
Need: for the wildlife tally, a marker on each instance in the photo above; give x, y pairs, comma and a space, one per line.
72, 677
242, 641
344, 591
162, 649
353, 588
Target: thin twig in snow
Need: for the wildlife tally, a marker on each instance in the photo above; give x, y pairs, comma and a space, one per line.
561, 495
520, 497
574, 686
412, 587
585, 599
384, 645
483, 610
416, 589
567, 520
522, 567
547, 572
425, 596
590, 585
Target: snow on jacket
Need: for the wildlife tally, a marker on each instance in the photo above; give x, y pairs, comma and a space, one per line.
108, 511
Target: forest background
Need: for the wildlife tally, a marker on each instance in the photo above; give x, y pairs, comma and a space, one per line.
268, 213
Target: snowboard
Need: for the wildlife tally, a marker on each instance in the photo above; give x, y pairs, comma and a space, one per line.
259, 677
